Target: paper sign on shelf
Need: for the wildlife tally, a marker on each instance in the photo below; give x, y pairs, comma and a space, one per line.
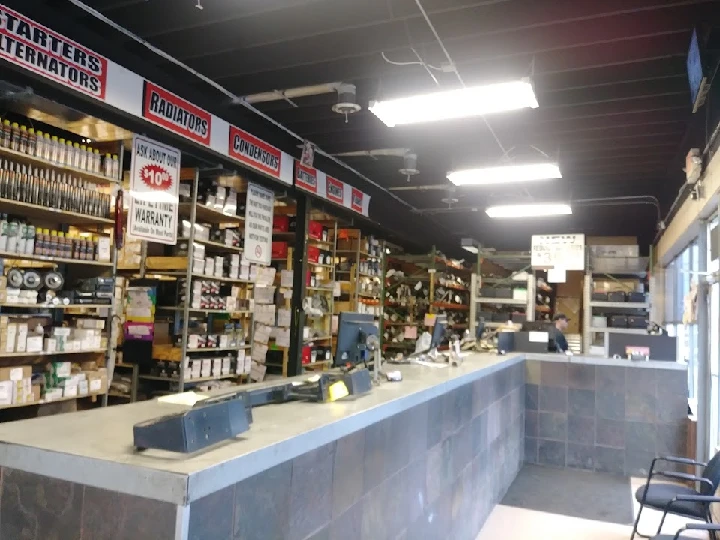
154, 181
566, 251
283, 317
37, 48
286, 279
556, 275
258, 224
282, 337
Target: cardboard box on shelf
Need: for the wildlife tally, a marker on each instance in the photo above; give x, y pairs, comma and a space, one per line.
6, 392
15, 373
618, 285
573, 285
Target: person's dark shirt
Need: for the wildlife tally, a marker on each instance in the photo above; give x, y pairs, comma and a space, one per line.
561, 344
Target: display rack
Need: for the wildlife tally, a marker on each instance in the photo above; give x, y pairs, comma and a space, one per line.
359, 270
318, 301
406, 302
625, 278
203, 269
57, 264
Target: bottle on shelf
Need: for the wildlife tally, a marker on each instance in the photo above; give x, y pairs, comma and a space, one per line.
6, 134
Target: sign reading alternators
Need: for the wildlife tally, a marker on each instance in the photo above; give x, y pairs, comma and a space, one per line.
47, 53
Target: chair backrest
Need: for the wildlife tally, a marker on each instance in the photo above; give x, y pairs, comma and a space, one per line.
712, 473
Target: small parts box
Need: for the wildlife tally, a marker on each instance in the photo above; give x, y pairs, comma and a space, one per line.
279, 250
618, 321
616, 297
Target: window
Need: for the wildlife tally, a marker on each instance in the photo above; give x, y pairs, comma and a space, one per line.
714, 345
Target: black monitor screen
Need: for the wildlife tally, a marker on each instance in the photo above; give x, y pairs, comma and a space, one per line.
352, 329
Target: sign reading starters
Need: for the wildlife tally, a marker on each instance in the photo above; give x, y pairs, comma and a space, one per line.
37, 48
335, 190
154, 182
255, 153
306, 178
356, 201
179, 116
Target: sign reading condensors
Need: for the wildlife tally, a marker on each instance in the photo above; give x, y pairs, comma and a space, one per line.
258, 224
154, 182
306, 178
176, 114
334, 190
253, 152
35, 47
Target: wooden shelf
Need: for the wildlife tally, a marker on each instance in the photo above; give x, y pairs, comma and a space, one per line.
204, 214
31, 354
318, 265
50, 214
39, 162
43, 306
214, 246
54, 260
36, 403
188, 381
212, 311
446, 305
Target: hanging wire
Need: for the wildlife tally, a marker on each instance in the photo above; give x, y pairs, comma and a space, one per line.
455, 70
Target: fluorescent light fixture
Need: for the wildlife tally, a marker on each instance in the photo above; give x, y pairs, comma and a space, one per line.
462, 103
527, 172
470, 244
529, 210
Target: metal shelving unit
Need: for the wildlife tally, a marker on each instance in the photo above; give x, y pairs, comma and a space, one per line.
628, 268
359, 281
197, 213
71, 268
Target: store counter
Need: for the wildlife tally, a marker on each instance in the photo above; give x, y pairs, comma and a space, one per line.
426, 458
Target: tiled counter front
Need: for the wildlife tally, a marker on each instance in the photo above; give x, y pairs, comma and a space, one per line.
432, 472
603, 418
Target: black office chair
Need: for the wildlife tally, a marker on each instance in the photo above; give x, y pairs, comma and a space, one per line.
711, 528
679, 499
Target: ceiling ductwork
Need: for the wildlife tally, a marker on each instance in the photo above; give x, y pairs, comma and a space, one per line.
346, 104
409, 167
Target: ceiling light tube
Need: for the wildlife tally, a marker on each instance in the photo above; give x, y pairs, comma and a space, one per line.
529, 172
462, 103
529, 210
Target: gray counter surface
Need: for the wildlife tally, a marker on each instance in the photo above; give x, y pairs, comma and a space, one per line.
95, 447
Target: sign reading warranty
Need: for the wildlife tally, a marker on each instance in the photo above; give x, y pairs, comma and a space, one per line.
258, 224
35, 47
154, 181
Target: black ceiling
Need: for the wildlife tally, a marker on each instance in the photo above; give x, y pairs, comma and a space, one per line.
610, 79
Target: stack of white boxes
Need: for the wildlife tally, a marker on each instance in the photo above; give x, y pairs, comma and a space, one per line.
16, 386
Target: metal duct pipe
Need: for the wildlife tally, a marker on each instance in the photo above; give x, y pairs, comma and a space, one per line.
380, 152
293, 93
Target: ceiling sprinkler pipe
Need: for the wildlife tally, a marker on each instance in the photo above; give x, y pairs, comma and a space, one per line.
293, 93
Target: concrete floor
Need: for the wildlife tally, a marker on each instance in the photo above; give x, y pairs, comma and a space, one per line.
512, 523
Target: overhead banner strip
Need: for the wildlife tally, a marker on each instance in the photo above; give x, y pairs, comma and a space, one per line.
326, 187
40, 50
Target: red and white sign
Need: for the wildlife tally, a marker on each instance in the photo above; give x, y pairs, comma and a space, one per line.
174, 113
37, 48
356, 201
334, 190
254, 152
154, 182
306, 178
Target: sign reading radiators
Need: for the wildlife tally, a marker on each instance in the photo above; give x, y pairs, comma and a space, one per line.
258, 224
154, 181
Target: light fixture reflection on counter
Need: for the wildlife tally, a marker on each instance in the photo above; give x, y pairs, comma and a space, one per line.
529, 210
462, 103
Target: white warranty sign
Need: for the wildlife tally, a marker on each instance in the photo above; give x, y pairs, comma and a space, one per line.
154, 183
258, 224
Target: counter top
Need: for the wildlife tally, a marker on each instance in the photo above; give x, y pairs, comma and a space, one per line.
95, 447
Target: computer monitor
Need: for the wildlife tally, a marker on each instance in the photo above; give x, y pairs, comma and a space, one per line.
439, 330
353, 331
